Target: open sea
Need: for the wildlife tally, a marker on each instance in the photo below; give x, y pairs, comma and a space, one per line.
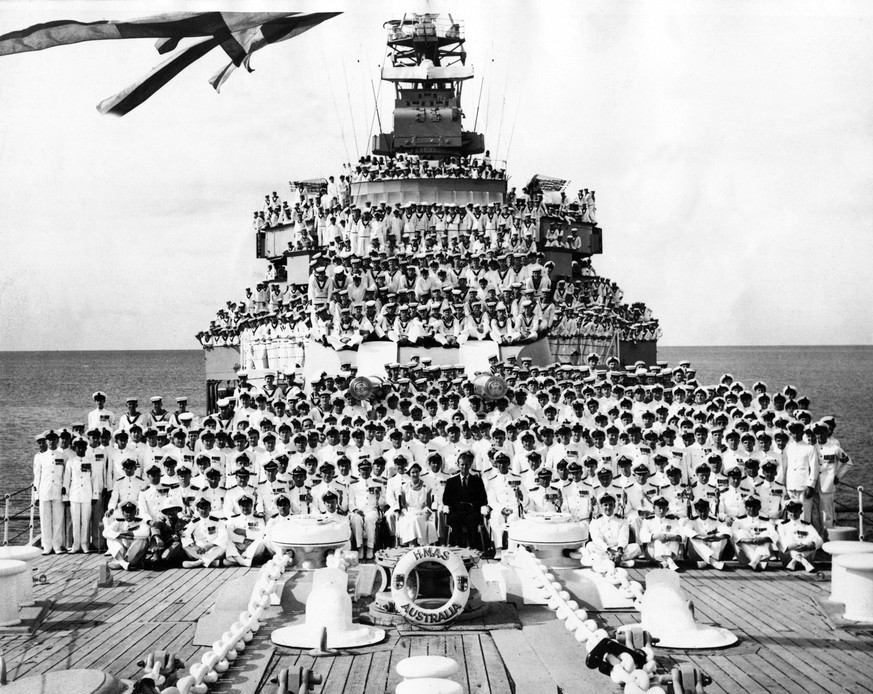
43, 390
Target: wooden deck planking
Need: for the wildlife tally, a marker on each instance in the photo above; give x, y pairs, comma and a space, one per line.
377, 676
495, 668
356, 681
477, 671
113, 628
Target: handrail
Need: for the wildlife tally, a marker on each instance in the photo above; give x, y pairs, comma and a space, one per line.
30, 509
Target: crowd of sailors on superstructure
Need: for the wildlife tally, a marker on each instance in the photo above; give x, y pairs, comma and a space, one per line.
422, 274
651, 463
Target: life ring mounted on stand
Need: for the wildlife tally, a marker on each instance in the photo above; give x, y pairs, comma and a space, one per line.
448, 611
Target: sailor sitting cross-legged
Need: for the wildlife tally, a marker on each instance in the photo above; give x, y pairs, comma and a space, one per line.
205, 539
707, 537
798, 540
245, 533
165, 543
754, 536
610, 536
126, 538
662, 535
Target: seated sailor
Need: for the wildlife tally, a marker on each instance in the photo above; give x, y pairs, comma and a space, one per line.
610, 536
205, 539
662, 535
126, 538
707, 537
754, 536
245, 533
798, 540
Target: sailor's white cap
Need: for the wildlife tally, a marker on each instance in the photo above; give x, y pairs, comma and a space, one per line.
156, 398
99, 394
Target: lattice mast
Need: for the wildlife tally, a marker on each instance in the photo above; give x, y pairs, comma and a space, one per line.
428, 69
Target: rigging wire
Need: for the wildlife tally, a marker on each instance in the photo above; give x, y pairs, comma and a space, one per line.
351, 113
517, 109
335, 107
376, 115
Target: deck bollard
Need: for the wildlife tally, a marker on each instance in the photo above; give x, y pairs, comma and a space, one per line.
10, 570
838, 573
25, 579
857, 586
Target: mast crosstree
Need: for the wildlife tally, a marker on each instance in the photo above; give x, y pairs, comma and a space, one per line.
428, 68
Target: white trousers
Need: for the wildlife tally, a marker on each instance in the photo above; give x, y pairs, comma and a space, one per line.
708, 550
632, 551
828, 509
364, 526
81, 516
51, 523
753, 554
660, 551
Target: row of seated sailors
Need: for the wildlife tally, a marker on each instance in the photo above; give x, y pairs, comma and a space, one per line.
464, 275
406, 217
727, 485
416, 509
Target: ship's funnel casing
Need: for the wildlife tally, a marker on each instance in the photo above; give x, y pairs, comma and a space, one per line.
489, 387
367, 387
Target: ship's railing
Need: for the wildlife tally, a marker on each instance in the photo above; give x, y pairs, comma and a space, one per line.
858, 511
424, 26
15, 518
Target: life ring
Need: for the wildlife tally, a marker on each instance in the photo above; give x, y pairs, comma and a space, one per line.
446, 612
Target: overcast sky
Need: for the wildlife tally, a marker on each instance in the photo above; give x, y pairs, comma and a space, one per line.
730, 145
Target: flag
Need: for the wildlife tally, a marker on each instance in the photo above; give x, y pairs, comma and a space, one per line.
173, 26
239, 34
273, 31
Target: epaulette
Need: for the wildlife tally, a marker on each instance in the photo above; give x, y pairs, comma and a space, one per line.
533, 489
214, 518
741, 517
805, 522
785, 521
236, 515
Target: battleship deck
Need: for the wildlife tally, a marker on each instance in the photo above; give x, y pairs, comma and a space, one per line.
786, 644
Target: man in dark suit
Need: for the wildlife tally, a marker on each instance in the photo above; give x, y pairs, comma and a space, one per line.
464, 496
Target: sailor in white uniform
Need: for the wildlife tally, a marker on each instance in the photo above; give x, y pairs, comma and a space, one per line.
49, 468
507, 498
662, 536
798, 540
754, 537
127, 538
245, 534
707, 537
610, 536
205, 539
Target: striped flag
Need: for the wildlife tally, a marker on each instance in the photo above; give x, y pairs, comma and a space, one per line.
177, 25
256, 38
239, 34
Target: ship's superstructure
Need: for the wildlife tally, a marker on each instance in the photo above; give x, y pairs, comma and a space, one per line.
426, 229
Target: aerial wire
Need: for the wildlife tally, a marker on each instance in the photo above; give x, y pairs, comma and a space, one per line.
351, 113
335, 106
517, 108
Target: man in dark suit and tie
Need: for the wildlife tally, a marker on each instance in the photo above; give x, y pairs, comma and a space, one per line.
465, 498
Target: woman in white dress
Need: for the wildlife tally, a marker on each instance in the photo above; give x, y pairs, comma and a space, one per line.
416, 524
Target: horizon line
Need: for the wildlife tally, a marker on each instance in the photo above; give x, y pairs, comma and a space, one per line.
178, 349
